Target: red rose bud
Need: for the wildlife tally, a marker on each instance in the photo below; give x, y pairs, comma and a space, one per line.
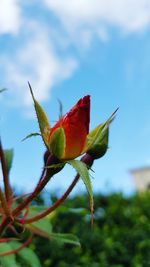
68, 136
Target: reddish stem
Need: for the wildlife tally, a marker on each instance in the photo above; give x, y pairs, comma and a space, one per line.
23, 204
87, 159
19, 248
54, 206
7, 188
27, 200
5, 223
41, 184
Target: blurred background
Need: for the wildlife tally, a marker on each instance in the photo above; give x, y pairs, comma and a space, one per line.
68, 49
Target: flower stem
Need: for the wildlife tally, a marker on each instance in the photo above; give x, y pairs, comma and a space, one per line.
54, 206
34, 194
7, 187
3, 202
86, 159
41, 184
4, 224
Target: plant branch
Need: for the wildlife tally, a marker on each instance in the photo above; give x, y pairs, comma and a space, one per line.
41, 184
17, 249
54, 206
87, 159
7, 187
34, 194
5, 209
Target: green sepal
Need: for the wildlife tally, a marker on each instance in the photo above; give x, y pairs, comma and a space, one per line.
31, 135
42, 119
57, 143
100, 145
56, 166
8, 154
97, 139
83, 171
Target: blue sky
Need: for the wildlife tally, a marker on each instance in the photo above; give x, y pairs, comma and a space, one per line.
68, 49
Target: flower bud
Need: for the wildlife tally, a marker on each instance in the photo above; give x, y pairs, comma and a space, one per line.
100, 146
88, 160
68, 136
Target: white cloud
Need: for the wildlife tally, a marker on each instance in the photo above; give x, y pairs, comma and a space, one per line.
97, 15
35, 61
10, 19
34, 56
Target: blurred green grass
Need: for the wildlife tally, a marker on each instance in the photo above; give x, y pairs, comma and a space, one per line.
119, 237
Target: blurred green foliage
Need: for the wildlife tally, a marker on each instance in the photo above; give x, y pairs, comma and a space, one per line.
119, 237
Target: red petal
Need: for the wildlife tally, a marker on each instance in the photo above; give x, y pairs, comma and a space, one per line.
76, 127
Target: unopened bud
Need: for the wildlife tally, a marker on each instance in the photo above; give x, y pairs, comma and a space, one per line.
100, 147
88, 160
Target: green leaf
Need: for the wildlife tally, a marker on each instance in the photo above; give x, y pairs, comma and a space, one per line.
31, 135
43, 228
42, 119
57, 143
8, 154
65, 238
28, 255
83, 171
43, 224
9, 260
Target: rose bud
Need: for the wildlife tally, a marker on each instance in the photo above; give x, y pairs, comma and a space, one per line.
67, 137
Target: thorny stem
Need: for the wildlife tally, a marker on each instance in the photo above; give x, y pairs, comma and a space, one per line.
34, 194
86, 159
25, 203
6, 198
5, 209
41, 184
54, 206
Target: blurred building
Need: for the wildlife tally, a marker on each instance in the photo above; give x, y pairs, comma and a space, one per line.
141, 178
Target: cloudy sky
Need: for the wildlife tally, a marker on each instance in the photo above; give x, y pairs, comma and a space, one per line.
68, 49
